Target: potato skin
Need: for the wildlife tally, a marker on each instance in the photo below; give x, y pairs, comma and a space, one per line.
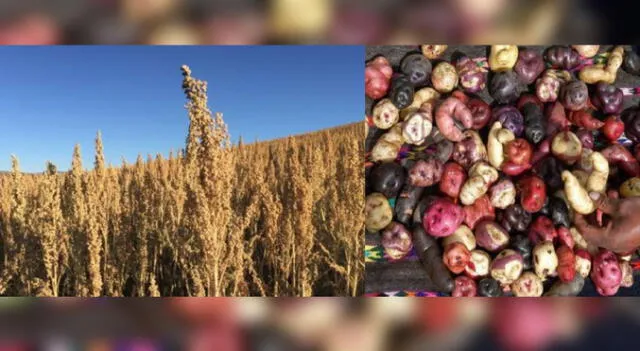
504, 87
385, 114
532, 193
426, 173
479, 264
401, 92
606, 273
387, 178
464, 287
567, 147
433, 51
406, 202
377, 75
514, 218
574, 95
453, 177
572, 288
529, 66
469, 150
630, 187
503, 194
472, 77
608, 98
502, 57
417, 67
506, 267
378, 213
481, 209
566, 263
456, 257
586, 50
444, 77
527, 285
545, 260
522, 245
510, 118
397, 241
491, 236
631, 63
489, 287
462, 235
562, 57
542, 229
442, 218
430, 255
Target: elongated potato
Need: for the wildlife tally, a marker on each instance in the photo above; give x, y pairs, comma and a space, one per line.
577, 196
497, 139
598, 178
430, 255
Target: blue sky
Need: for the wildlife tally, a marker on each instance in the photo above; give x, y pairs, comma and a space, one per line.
54, 97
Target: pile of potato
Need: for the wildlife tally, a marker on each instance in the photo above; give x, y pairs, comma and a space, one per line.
488, 196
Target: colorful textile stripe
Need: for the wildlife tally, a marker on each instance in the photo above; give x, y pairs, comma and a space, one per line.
406, 294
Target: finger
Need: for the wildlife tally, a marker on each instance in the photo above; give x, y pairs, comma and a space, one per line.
604, 203
593, 234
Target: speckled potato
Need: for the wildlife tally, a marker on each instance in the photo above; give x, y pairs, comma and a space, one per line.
385, 114
378, 213
462, 235
388, 146
417, 127
503, 194
503, 57
433, 51
444, 77
396, 240
528, 285
577, 195
479, 264
630, 188
545, 260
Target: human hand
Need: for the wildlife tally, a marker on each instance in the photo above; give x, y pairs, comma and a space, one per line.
622, 232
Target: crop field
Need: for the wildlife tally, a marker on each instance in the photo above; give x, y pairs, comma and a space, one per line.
274, 218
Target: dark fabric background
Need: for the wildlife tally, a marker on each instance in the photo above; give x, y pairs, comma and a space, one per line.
408, 274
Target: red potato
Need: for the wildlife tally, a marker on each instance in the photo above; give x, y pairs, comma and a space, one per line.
567, 147
556, 118
453, 177
513, 169
586, 138
480, 210
396, 240
542, 229
585, 119
544, 149
480, 110
606, 273
565, 237
377, 76
451, 110
456, 257
464, 287
491, 236
519, 151
533, 193
566, 263
425, 173
613, 128
618, 155
442, 217
479, 264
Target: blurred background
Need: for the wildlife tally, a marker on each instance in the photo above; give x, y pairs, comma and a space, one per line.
314, 21
323, 324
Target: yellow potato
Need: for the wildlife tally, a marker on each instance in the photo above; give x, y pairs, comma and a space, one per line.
433, 51
577, 196
378, 213
503, 57
586, 50
630, 188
